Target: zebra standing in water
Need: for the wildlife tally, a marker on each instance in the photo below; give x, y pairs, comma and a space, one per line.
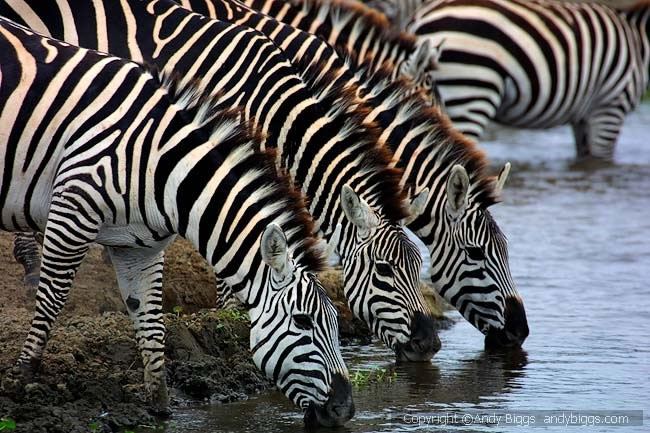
95, 149
360, 31
480, 286
329, 153
538, 64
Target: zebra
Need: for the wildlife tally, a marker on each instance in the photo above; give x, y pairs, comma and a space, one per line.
469, 255
97, 149
361, 31
464, 282
538, 64
329, 153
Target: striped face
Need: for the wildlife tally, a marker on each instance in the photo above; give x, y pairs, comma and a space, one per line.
381, 268
470, 269
294, 340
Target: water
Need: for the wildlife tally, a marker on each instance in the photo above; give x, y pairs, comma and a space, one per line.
580, 251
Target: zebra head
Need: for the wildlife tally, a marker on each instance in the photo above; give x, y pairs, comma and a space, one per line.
469, 263
381, 268
294, 337
420, 68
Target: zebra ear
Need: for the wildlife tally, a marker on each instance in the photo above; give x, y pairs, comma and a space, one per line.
275, 251
420, 60
417, 205
501, 178
357, 210
457, 189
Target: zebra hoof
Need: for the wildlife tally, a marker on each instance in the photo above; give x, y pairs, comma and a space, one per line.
160, 402
31, 280
26, 371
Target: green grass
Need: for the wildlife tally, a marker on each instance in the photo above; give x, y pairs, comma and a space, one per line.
363, 378
646, 97
233, 315
7, 424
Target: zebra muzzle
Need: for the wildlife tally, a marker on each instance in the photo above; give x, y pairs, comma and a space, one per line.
423, 343
338, 409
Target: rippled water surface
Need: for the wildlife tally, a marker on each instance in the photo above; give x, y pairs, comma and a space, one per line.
580, 254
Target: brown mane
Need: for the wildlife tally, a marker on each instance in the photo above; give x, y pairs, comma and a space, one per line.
451, 145
378, 158
304, 240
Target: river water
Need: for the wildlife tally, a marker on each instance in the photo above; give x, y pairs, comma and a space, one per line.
579, 242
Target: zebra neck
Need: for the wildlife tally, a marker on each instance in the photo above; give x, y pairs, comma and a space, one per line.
354, 27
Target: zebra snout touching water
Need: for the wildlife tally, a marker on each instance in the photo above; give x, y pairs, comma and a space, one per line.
94, 148
468, 251
385, 263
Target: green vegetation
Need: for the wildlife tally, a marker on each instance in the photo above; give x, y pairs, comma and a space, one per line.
646, 97
234, 315
7, 424
178, 310
363, 378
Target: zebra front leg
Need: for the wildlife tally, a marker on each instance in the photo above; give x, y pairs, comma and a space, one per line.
68, 235
26, 253
139, 276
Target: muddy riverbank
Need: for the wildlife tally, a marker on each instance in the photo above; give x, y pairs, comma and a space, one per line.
91, 377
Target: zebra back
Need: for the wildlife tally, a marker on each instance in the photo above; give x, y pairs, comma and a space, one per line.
359, 30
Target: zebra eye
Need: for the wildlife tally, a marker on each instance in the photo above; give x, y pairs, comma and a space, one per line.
428, 81
303, 321
384, 269
475, 253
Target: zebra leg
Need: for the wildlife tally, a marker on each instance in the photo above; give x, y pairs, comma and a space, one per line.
226, 299
68, 236
139, 276
27, 254
596, 135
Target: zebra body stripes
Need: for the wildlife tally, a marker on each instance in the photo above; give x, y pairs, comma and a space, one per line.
538, 64
361, 31
94, 148
323, 150
426, 146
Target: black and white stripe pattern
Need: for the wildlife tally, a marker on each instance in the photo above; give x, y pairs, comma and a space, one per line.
452, 192
538, 64
94, 148
318, 132
360, 31
405, 121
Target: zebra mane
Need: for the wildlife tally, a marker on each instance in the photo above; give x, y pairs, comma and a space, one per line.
368, 18
437, 133
332, 88
203, 109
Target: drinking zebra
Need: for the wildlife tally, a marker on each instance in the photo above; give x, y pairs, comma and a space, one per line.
538, 64
94, 148
319, 134
482, 289
469, 255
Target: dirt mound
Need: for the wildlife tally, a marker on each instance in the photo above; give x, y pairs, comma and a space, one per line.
92, 376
